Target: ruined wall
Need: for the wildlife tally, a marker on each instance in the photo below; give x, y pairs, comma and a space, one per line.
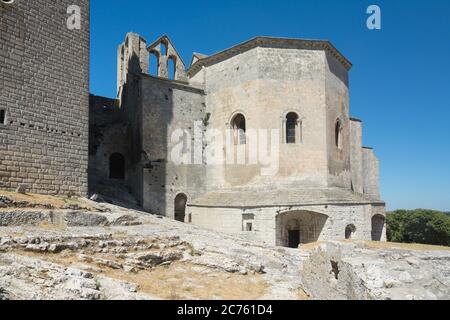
171, 113
165, 52
132, 57
44, 90
107, 135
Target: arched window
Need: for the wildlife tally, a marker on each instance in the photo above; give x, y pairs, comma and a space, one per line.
338, 134
292, 128
180, 207
349, 230
154, 64
117, 166
239, 129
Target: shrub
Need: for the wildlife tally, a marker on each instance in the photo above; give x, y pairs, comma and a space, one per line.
419, 226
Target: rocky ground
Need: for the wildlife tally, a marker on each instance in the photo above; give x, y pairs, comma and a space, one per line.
80, 249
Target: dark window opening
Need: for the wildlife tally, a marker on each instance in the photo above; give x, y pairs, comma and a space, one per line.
2, 116
349, 230
338, 134
249, 226
239, 129
291, 127
117, 166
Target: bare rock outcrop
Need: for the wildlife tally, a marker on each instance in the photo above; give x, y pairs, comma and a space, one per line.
111, 255
339, 270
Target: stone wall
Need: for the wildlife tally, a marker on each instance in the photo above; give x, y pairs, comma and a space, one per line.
264, 84
337, 102
172, 114
371, 173
269, 225
356, 158
44, 91
107, 136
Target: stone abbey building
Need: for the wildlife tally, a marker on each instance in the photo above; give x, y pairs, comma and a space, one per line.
325, 184
255, 140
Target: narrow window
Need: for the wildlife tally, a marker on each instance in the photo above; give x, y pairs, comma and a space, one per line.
291, 128
239, 129
154, 64
171, 68
338, 134
349, 230
2, 116
117, 166
247, 222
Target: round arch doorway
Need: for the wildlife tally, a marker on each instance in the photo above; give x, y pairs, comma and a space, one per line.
180, 207
294, 228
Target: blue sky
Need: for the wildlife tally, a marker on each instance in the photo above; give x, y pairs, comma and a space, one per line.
399, 84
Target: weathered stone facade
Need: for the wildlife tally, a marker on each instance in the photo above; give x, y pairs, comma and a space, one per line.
44, 97
324, 184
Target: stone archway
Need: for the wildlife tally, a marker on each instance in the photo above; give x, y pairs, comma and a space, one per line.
180, 207
294, 228
378, 224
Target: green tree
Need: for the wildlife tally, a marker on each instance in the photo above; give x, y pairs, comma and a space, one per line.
419, 226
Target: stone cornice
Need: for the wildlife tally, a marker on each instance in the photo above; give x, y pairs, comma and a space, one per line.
270, 42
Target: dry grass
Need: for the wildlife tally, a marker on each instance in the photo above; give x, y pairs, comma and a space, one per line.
65, 258
35, 198
55, 201
383, 245
408, 246
177, 281
182, 281
46, 225
12, 234
310, 246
